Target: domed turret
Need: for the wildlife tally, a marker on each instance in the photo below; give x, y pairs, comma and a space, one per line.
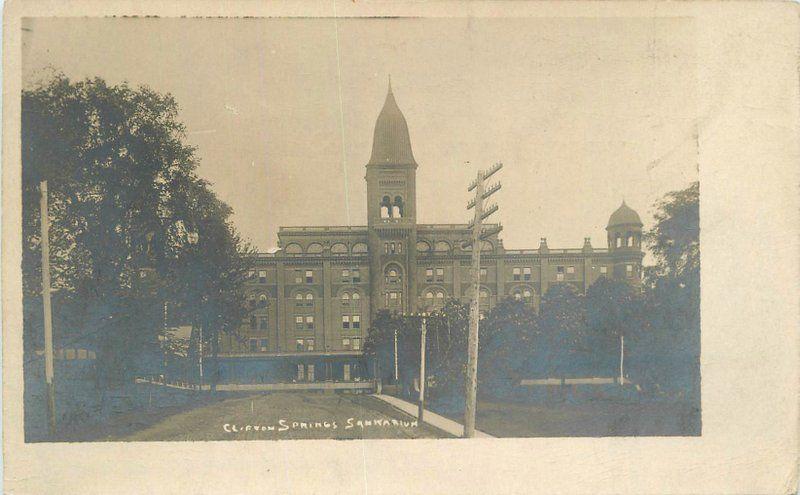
624, 229
391, 144
625, 215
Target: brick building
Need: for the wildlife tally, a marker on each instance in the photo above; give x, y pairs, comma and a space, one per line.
314, 298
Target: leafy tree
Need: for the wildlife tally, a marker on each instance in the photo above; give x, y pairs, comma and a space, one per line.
509, 336
671, 341
124, 205
613, 309
562, 320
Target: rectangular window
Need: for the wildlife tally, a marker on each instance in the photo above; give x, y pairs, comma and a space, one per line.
298, 322
385, 248
346, 344
526, 273
301, 372
309, 277
603, 269
345, 322
262, 276
311, 372
484, 273
570, 269
345, 274
253, 323
356, 344
310, 322
559, 273
356, 276
298, 276
393, 295
629, 270
300, 345
429, 274
516, 273
251, 274
356, 321
399, 247
440, 274
346, 372
253, 345
263, 323
309, 344
262, 345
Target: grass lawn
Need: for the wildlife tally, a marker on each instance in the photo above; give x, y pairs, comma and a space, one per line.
590, 419
285, 415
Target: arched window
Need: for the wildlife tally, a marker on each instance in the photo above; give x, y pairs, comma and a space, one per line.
487, 246
262, 301
397, 207
442, 247
293, 248
339, 248
251, 301
393, 276
423, 247
309, 297
517, 296
618, 240
440, 296
314, 248
356, 296
298, 296
527, 295
360, 248
429, 296
386, 207
345, 296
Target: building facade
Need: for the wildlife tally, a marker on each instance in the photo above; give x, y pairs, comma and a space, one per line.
312, 301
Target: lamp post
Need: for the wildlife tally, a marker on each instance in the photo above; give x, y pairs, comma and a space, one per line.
193, 238
422, 338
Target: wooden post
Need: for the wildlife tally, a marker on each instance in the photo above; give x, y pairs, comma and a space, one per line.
48, 316
621, 359
422, 369
474, 317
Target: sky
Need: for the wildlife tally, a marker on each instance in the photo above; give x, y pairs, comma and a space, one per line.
583, 112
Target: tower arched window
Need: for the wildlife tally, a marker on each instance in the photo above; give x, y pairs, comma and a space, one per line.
397, 207
386, 207
618, 241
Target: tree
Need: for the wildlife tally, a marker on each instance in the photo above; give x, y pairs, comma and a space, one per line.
125, 203
509, 336
671, 341
563, 323
613, 309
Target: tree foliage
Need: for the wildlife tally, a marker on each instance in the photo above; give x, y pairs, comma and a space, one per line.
125, 204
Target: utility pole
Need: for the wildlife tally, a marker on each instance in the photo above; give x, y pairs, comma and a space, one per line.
422, 367
396, 374
48, 315
621, 359
478, 235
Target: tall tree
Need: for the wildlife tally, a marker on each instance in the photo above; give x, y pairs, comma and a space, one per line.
124, 205
613, 309
563, 323
671, 342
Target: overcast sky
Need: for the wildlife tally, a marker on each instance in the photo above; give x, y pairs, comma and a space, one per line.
583, 112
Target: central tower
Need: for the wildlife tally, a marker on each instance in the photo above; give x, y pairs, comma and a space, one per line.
392, 211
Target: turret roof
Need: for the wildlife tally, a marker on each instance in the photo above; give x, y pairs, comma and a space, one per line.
391, 144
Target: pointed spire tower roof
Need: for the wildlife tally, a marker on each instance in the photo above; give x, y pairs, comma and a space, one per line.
391, 144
